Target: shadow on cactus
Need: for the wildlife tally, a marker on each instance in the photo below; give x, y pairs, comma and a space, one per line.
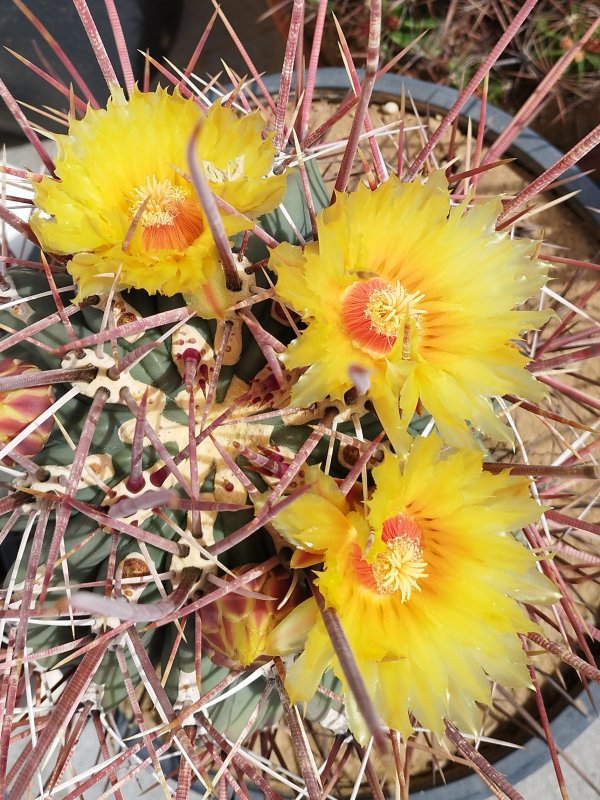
247, 440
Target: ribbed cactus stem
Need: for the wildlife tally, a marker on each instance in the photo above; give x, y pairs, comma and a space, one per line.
235, 468
160, 476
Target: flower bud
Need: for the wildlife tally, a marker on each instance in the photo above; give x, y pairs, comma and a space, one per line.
19, 407
235, 627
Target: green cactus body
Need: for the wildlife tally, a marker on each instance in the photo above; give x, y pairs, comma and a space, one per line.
245, 385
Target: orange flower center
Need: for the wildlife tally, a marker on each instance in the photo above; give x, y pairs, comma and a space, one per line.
400, 567
170, 218
375, 313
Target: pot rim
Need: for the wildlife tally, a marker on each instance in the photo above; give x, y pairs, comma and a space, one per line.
531, 150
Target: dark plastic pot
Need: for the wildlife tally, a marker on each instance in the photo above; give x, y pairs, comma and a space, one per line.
531, 150
147, 24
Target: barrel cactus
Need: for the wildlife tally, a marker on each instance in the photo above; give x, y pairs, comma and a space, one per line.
119, 499
96, 457
248, 435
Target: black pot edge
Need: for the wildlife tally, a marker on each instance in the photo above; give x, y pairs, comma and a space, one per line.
520, 764
531, 150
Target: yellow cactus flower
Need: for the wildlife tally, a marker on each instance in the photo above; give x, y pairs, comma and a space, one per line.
426, 583
418, 296
122, 204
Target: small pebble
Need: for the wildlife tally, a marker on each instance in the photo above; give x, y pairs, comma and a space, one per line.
390, 108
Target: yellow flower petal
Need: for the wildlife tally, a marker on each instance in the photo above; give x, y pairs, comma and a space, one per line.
291, 634
316, 518
304, 675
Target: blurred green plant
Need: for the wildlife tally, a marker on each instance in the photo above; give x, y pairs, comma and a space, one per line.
455, 33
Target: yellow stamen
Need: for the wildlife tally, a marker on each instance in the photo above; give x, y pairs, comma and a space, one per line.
170, 218
389, 307
162, 201
375, 313
399, 568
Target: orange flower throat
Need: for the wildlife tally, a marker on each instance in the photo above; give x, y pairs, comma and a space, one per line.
170, 218
375, 313
400, 567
